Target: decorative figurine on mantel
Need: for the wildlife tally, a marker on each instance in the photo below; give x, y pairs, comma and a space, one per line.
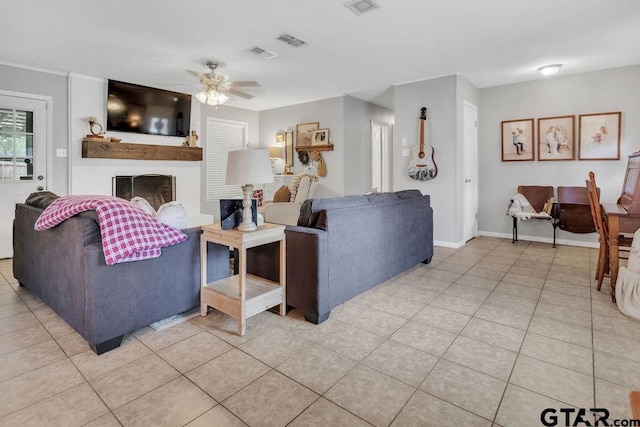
193, 139
94, 127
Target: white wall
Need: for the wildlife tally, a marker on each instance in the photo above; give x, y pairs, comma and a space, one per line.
439, 96
93, 176
595, 92
330, 114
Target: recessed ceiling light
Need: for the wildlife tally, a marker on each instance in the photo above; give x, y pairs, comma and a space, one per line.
549, 70
361, 6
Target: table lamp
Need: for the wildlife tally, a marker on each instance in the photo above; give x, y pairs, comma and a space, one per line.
277, 162
246, 168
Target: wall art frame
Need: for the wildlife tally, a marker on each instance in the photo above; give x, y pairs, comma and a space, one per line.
556, 138
517, 140
304, 133
320, 137
288, 151
599, 136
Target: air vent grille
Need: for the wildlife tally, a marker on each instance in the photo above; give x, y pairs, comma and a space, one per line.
291, 40
360, 7
263, 53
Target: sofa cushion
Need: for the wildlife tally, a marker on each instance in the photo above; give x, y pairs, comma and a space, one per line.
41, 199
143, 204
283, 195
173, 214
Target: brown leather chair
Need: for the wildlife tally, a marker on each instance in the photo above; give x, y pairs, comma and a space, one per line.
574, 210
537, 196
624, 242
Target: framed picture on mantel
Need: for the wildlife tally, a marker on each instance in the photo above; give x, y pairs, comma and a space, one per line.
304, 133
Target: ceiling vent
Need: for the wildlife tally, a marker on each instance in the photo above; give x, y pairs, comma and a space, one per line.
291, 40
263, 53
360, 7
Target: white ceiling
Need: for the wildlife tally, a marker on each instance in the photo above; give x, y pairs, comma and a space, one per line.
154, 43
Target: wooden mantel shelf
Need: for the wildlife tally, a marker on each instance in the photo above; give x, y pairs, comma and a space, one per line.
314, 147
120, 150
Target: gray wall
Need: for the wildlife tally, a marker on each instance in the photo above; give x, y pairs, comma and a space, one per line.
56, 86
358, 115
330, 114
595, 92
440, 97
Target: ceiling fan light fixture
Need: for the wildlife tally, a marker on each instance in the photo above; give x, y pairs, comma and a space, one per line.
201, 96
549, 70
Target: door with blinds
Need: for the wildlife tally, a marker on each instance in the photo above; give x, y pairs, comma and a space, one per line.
222, 136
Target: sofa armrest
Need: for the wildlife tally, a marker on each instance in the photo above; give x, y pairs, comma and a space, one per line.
282, 213
307, 270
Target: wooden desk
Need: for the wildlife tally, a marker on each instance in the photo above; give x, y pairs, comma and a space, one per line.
618, 221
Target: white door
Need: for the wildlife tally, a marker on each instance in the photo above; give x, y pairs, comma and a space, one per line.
23, 158
470, 189
379, 157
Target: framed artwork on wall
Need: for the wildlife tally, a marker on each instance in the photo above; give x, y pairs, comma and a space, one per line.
517, 140
304, 133
320, 137
556, 138
288, 150
599, 136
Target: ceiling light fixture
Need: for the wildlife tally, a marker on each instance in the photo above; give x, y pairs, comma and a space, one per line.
214, 87
549, 70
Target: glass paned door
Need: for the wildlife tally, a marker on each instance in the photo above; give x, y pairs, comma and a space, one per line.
23, 156
16, 145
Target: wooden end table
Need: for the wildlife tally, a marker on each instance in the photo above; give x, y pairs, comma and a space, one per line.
242, 295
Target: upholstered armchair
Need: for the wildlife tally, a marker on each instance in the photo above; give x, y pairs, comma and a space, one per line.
287, 213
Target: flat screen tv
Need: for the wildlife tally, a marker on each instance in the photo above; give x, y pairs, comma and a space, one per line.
141, 109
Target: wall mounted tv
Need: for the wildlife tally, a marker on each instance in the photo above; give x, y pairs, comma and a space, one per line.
141, 109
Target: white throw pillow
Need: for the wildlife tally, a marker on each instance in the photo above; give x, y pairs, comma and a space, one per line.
142, 204
633, 263
173, 214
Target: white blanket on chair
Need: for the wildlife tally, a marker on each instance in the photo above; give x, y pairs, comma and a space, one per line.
520, 208
628, 293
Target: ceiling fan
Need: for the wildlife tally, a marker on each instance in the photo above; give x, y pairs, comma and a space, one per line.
215, 87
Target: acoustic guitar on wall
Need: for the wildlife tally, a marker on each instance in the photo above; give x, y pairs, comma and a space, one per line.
422, 167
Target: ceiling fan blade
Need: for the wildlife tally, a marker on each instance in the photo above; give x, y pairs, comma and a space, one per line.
240, 94
245, 84
194, 73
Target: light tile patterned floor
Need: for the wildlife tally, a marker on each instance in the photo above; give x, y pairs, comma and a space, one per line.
489, 334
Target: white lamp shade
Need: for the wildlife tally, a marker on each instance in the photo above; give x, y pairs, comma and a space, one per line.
249, 167
201, 96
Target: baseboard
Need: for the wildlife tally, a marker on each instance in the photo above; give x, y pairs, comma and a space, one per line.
541, 239
452, 245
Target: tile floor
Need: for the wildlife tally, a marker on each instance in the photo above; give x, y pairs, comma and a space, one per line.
489, 334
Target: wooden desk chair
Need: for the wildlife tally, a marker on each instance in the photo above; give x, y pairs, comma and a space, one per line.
624, 243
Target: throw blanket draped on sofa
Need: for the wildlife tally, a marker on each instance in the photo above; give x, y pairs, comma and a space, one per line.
128, 233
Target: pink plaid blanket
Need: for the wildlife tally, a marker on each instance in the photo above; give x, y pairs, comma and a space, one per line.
128, 233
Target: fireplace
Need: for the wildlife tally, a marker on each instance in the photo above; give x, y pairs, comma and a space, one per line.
156, 189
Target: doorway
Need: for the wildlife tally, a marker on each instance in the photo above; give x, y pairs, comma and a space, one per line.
23, 157
380, 157
470, 171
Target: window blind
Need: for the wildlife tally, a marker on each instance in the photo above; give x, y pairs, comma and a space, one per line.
222, 136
